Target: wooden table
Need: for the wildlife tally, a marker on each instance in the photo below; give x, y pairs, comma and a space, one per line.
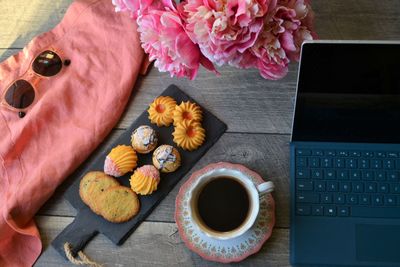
258, 113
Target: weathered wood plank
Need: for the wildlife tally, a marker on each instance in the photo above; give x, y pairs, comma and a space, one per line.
266, 154
361, 19
21, 20
336, 19
5, 53
152, 244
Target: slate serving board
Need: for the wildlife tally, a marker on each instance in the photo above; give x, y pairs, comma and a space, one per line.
87, 224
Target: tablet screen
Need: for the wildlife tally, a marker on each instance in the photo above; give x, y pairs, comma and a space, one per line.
348, 92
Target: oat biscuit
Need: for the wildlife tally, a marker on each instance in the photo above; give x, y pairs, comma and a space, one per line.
96, 189
118, 204
85, 182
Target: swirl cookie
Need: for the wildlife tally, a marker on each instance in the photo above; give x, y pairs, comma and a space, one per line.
161, 111
187, 111
189, 135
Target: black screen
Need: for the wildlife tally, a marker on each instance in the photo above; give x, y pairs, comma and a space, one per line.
348, 93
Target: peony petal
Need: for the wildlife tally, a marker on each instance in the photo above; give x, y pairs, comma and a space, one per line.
208, 64
287, 42
188, 53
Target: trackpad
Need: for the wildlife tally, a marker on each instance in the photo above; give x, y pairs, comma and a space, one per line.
379, 243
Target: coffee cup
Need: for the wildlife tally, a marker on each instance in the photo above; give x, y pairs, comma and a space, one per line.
224, 202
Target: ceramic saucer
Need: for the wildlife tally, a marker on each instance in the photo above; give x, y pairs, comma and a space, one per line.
224, 251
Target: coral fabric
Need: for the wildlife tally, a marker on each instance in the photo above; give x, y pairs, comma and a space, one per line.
72, 113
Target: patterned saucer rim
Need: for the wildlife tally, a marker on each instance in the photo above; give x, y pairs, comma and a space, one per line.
191, 181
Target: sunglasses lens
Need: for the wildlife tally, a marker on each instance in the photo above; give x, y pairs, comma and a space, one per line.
47, 64
20, 94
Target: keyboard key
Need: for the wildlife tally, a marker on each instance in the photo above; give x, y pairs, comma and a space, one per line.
352, 199
365, 200
339, 163
378, 200
314, 162
302, 173
380, 175
329, 211
318, 152
326, 198
392, 176
370, 187
383, 188
351, 163
363, 163
316, 174
329, 174
326, 163
374, 183
367, 154
376, 164
317, 210
374, 212
343, 211
304, 185
332, 186
303, 152
355, 153
301, 162
319, 186
339, 198
367, 175
330, 153
307, 197
355, 175
395, 188
380, 154
388, 164
342, 175
345, 187
303, 210
358, 187
390, 200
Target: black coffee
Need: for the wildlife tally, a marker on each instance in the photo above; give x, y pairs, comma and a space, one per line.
223, 204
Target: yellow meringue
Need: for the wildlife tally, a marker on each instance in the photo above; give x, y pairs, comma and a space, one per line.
145, 179
120, 160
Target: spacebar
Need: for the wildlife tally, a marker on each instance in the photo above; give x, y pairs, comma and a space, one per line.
375, 212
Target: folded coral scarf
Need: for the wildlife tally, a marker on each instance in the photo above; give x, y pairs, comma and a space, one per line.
72, 113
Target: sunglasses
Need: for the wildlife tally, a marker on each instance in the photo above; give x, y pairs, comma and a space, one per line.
21, 93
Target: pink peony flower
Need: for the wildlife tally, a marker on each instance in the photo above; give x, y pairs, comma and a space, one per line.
296, 18
136, 7
224, 28
263, 34
285, 29
164, 38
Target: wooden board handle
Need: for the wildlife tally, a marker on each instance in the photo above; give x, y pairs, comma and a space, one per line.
78, 234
